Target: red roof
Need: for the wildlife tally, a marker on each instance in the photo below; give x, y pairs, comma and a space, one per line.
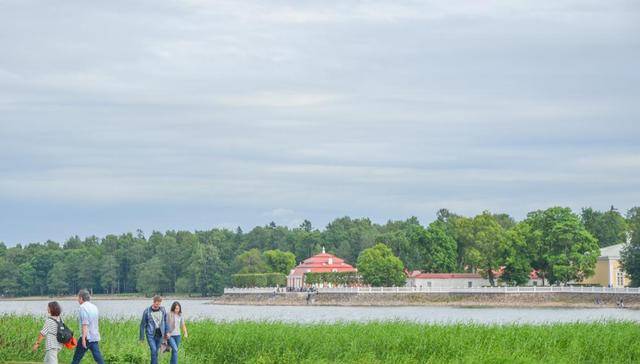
533, 275
322, 263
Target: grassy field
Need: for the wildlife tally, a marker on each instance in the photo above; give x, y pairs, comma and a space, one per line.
392, 342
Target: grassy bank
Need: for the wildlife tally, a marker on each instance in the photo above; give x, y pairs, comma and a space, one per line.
394, 342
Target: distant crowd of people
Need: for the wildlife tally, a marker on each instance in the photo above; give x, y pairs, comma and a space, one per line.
163, 331
301, 289
619, 301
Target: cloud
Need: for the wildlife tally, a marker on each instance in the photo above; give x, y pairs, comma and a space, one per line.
277, 99
195, 114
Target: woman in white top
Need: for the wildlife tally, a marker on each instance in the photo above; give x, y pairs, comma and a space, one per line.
49, 332
176, 322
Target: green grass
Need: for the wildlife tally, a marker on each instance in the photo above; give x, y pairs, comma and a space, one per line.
390, 342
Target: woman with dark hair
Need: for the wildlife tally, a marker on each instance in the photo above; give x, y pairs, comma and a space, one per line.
49, 331
176, 322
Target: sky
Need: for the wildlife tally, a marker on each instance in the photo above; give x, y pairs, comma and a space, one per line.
157, 115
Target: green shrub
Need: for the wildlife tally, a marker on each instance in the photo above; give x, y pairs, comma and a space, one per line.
251, 280
335, 278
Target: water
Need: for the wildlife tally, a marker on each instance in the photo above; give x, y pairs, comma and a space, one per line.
199, 309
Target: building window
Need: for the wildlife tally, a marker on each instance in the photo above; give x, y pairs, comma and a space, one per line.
469, 284
429, 284
620, 278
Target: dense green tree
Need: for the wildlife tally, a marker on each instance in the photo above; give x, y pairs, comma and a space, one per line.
109, 274
462, 230
630, 260
306, 226
9, 285
440, 249
27, 279
630, 255
516, 256
609, 227
206, 270
268, 238
173, 255
131, 251
185, 285
507, 222
489, 240
87, 274
42, 260
73, 242
306, 241
563, 250
279, 261
152, 278
204, 262
633, 221
406, 240
348, 237
379, 267
73, 260
401, 246
251, 261
57, 279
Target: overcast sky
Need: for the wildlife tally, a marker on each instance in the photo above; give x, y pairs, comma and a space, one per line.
157, 115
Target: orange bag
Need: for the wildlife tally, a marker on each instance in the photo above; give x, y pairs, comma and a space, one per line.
72, 343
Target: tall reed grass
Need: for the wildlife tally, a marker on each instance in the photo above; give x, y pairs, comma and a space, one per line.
380, 342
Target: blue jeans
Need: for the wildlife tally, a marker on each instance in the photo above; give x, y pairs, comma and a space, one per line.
80, 351
154, 345
174, 342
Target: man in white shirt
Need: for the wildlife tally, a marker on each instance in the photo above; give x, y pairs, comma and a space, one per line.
90, 335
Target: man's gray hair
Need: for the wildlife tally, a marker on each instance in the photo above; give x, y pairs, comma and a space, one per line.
84, 294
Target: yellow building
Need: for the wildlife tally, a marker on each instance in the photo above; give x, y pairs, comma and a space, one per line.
608, 270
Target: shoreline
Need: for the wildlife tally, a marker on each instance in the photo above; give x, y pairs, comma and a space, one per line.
461, 300
450, 305
457, 300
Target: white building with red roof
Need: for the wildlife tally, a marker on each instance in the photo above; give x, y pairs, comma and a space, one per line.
319, 263
457, 280
445, 280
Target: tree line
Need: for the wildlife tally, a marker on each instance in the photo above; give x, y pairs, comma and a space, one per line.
558, 243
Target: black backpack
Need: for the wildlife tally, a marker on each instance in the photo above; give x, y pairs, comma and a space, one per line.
64, 334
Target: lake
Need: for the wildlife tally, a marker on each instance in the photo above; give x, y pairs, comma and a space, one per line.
199, 309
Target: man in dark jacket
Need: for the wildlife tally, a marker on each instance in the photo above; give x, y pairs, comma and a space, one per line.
154, 327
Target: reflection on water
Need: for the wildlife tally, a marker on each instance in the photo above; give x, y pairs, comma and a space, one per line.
199, 309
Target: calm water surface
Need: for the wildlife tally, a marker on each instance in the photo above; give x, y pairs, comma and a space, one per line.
199, 309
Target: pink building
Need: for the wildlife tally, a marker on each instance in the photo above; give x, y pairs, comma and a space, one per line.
319, 263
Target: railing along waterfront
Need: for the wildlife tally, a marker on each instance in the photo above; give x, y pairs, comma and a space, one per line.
506, 290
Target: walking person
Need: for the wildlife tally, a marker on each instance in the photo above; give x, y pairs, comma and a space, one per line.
176, 325
155, 327
88, 317
49, 332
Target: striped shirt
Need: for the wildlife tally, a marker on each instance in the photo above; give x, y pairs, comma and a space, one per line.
49, 331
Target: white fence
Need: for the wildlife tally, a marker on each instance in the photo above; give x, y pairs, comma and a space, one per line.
533, 289
251, 290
